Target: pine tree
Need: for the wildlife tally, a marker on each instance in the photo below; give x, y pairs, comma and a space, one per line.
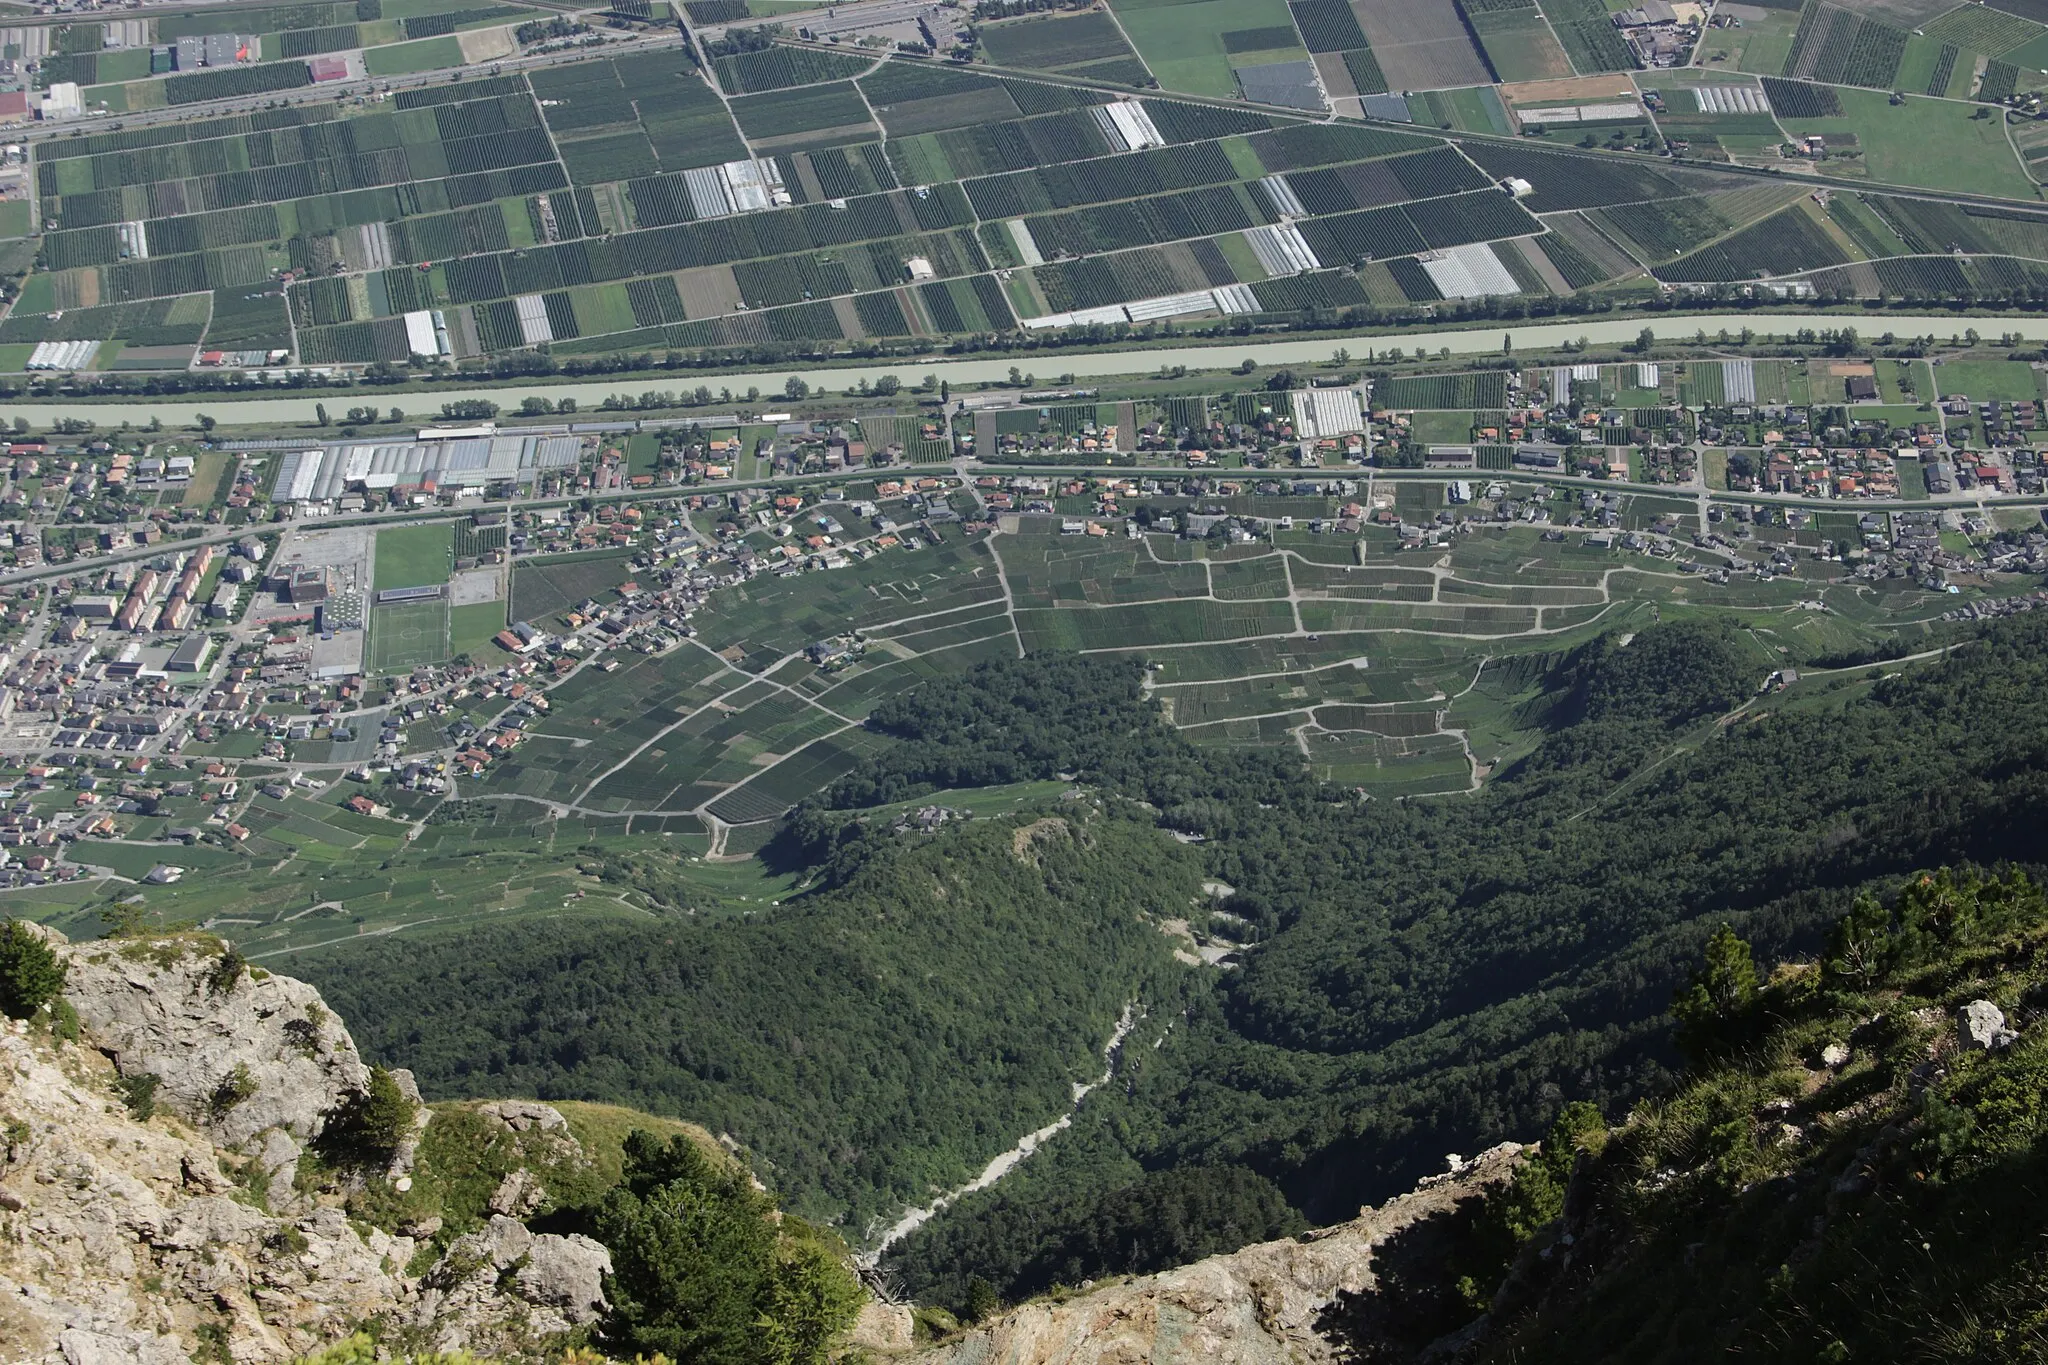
30, 974
1712, 1010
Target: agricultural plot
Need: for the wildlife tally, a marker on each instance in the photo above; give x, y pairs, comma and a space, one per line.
1444, 392
1089, 46
1181, 41
1421, 45
1837, 46
1568, 180
1587, 35
1980, 28
1931, 144
549, 586
1788, 243
1520, 46
1664, 228
829, 114
614, 205
781, 68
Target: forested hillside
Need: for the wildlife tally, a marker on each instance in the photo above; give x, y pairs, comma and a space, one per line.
1420, 978
1853, 1171
864, 1042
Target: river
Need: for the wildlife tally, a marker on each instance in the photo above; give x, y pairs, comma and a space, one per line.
995, 1170
1466, 341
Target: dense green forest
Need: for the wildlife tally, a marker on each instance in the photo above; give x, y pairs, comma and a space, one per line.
1421, 977
865, 1042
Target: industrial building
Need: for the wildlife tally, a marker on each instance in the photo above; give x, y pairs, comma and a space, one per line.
470, 461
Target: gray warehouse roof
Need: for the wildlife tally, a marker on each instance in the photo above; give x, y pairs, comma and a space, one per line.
470, 463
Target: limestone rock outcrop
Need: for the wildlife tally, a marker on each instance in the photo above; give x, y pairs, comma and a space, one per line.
236, 1051
178, 1237
1274, 1303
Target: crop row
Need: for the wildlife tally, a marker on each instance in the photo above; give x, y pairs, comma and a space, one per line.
1016, 144
1443, 392
1944, 70
719, 241
791, 279
156, 323
2004, 277
256, 19
1037, 97
1565, 180
233, 82
1404, 230
1801, 99
1127, 175
1579, 270
908, 82
1923, 277
1787, 243
1413, 281
311, 42
1327, 25
1178, 122
1587, 33
786, 113
1106, 279
1666, 227
1315, 291
969, 305
1302, 145
482, 117
655, 301
434, 25
1980, 28
1139, 222
1340, 189
480, 88
169, 134
332, 171
167, 237
2000, 80
445, 236
881, 315
355, 343
406, 290
1838, 47
1365, 73
844, 173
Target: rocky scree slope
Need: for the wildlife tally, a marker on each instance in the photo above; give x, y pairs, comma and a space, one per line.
164, 1195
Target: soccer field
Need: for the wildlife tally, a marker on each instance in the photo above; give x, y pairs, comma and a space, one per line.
405, 635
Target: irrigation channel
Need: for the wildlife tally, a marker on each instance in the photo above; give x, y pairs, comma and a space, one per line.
1670, 329
1001, 1166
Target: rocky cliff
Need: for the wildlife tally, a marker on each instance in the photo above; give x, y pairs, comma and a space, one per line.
170, 1191
163, 1197
1347, 1292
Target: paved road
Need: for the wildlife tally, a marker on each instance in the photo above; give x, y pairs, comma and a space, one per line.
1481, 339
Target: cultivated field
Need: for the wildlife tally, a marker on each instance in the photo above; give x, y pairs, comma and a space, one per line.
623, 204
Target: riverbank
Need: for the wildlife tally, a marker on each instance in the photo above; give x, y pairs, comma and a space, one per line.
301, 408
